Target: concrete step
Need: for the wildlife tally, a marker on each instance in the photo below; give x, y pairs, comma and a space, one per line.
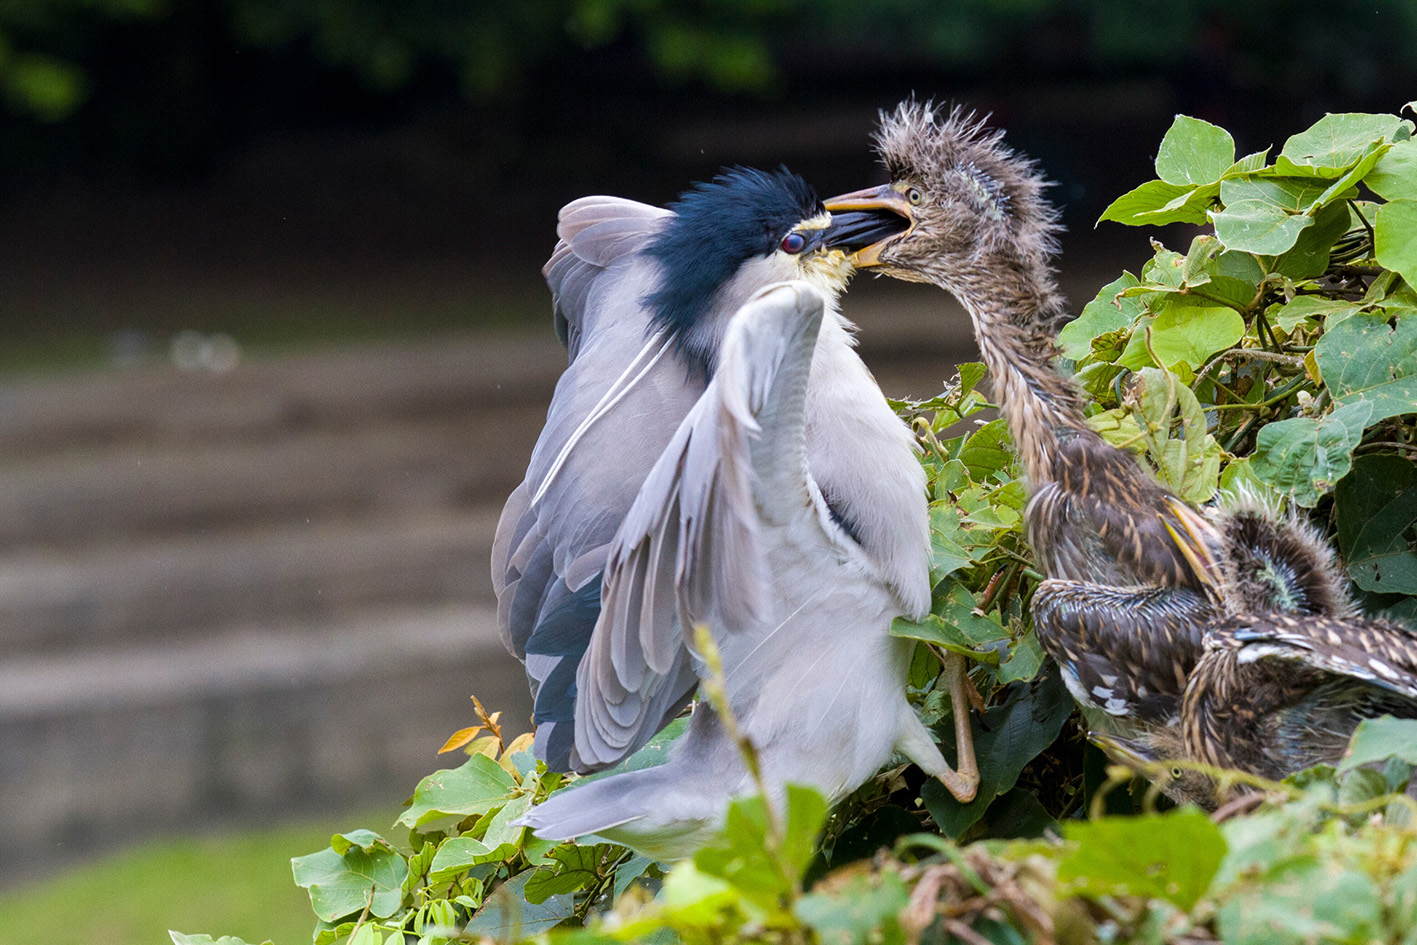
82, 495
338, 389
115, 591
261, 720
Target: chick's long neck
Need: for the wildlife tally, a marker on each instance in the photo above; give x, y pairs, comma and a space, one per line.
1012, 303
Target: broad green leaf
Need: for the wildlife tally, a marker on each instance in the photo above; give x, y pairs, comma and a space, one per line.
1024, 662
1335, 143
1188, 330
1170, 856
987, 450
1309, 256
474, 788
1289, 194
1258, 227
1186, 208
1395, 238
1142, 206
1109, 311
1394, 177
1303, 458
341, 885
742, 854
1194, 152
1363, 360
946, 555
1305, 307
366, 840
629, 871
1377, 508
508, 917
1313, 902
179, 938
956, 626
864, 911
457, 854
694, 897
1248, 164
1006, 738
572, 868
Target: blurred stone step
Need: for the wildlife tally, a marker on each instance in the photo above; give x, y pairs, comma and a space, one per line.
82, 496
108, 595
350, 387
261, 720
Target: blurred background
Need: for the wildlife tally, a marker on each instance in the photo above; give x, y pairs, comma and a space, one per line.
274, 347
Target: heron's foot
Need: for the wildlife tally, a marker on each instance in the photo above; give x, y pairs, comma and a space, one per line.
963, 788
963, 694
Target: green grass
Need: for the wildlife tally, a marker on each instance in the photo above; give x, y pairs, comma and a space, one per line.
233, 884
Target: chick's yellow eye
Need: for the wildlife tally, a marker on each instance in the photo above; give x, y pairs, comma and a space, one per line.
1176, 774
913, 196
794, 243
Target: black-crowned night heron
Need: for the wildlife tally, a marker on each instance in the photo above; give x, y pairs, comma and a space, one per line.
643, 297
735, 529
981, 229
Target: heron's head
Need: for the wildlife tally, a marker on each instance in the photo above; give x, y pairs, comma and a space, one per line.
732, 236
1272, 561
967, 198
1159, 755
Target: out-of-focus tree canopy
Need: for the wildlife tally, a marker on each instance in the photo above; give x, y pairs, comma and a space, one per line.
54, 53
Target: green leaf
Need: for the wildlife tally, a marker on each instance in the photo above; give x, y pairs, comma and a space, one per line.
987, 450
1006, 738
342, 884
1188, 329
1258, 227
1109, 311
1289, 194
1303, 458
1395, 238
1312, 902
1170, 856
742, 856
474, 788
1335, 143
1194, 152
1305, 307
1309, 256
1377, 510
366, 840
508, 917
946, 555
1364, 360
864, 911
956, 626
1146, 205
457, 854
1024, 662
1394, 177
572, 868
1379, 739
178, 938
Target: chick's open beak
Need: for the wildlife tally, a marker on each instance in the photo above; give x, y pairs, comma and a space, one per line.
865, 221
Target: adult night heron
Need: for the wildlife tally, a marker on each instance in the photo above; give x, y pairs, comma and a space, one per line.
643, 296
734, 530
981, 229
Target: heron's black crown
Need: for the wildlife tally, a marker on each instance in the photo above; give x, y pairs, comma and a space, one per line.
718, 226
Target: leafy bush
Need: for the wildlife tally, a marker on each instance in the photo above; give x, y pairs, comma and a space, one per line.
1278, 354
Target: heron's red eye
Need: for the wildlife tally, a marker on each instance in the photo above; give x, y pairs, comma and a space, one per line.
794, 243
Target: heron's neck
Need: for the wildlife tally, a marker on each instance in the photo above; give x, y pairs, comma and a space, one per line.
1012, 305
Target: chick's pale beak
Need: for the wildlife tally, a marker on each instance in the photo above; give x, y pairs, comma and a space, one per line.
865, 221
1121, 750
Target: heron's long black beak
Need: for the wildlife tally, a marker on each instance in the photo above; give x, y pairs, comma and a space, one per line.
866, 221
1122, 750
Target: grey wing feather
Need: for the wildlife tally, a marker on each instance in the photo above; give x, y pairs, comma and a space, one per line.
593, 232
688, 550
615, 407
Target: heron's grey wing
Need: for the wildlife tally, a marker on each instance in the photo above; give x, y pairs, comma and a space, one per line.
1377, 652
593, 233
688, 551
1125, 650
615, 408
